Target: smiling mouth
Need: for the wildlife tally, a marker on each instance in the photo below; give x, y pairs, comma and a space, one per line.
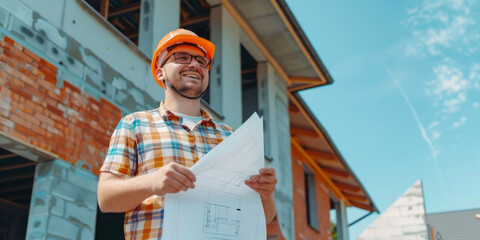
191, 76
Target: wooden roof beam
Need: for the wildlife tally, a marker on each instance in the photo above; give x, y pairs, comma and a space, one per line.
104, 8
249, 70
303, 132
17, 177
124, 10
303, 86
362, 206
335, 172
305, 80
17, 166
196, 19
293, 109
320, 154
312, 164
190, 6
13, 203
9, 155
349, 187
184, 13
356, 197
132, 35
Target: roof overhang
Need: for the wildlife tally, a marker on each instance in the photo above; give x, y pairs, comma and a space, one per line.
272, 27
274, 30
311, 141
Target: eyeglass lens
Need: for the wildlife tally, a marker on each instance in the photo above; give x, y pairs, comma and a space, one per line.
185, 58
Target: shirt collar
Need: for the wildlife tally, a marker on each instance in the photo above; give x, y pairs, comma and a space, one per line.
167, 115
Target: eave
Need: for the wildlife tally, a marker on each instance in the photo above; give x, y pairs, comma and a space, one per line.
274, 30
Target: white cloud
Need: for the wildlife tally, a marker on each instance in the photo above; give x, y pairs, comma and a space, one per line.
474, 72
440, 25
449, 79
412, 11
460, 122
453, 104
433, 124
449, 87
475, 104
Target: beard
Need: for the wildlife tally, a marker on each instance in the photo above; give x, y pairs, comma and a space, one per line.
185, 89
191, 91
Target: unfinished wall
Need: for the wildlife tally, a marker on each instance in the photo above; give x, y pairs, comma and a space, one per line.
64, 202
39, 107
273, 105
88, 52
302, 229
57, 95
225, 75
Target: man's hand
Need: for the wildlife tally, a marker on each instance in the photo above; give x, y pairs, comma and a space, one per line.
171, 178
263, 183
117, 194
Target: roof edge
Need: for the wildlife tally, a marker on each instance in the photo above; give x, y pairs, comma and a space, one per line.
304, 39
334, 148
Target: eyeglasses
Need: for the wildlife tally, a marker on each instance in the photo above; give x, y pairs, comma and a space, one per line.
185, 58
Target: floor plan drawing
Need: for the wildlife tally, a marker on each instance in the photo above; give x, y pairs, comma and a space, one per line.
221, 222
222, 206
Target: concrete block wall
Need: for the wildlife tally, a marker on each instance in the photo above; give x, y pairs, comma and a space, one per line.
39, 107
67, 77
273, 104
64, 203
87, 51
225, 75
404, 219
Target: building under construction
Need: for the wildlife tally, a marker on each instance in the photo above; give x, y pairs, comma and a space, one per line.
70, 69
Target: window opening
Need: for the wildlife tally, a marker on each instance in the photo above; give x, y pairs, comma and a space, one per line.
249, 84
311, 198
109, 226
333, 218
124, 15
16, 186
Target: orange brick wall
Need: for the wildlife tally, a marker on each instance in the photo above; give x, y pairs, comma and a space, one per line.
64, 121
302, 229
273, 230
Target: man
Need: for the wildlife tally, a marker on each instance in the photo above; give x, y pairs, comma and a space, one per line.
151, 152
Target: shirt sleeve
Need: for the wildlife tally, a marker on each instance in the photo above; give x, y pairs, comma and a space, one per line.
121, 157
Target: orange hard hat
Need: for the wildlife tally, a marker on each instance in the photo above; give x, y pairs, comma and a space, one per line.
177, 37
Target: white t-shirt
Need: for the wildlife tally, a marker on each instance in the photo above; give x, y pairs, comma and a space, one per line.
188, 120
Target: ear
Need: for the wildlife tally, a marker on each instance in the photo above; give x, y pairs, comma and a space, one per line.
159, 73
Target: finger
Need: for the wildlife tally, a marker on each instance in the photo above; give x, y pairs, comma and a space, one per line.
262, 192
181, 178
185, 171
267, 171
259, 185
263, 178
175, 185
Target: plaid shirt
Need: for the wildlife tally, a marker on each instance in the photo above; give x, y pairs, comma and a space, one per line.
145, 141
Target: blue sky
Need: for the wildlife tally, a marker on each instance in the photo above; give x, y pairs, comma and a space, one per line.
405, 102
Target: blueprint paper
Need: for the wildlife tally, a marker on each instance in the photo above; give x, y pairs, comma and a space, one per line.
221, 207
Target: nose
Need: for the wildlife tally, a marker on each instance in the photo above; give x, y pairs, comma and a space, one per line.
194, 63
